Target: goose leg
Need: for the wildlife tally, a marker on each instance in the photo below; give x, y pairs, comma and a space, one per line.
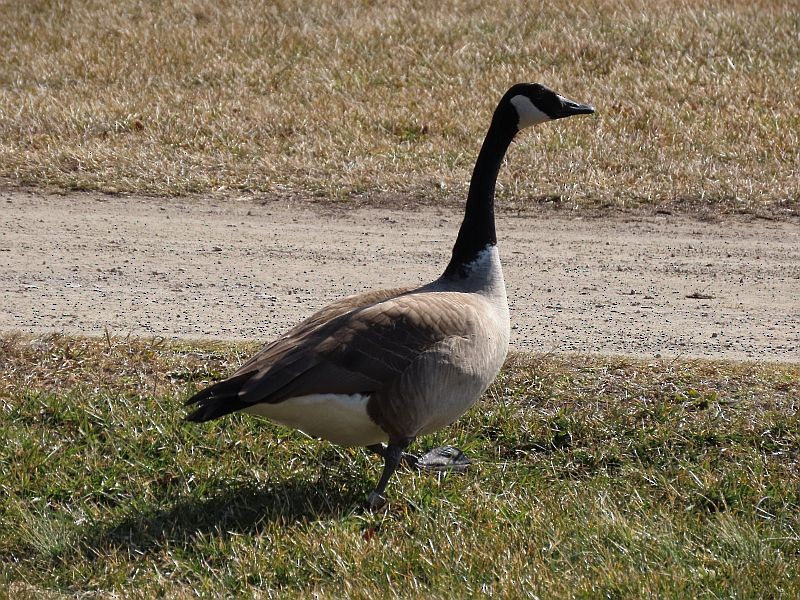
445, 458
392, 455
406, 459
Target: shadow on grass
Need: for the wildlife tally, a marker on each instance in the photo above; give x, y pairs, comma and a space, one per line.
243, 509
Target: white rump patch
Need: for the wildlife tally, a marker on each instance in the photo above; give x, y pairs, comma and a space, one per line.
528, 113
338, 418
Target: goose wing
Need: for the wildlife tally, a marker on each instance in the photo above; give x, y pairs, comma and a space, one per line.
357, 352
323, 316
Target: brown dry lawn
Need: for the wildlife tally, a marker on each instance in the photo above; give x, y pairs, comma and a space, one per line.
697, 101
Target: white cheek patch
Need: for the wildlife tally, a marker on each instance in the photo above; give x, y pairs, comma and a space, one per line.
528, 113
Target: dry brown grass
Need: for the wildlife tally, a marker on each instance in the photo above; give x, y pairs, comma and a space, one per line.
697, 100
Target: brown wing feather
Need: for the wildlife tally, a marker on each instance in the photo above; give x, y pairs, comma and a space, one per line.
359, 351
278, 348
361, 346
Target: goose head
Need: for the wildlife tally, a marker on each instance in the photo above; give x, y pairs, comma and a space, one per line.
523, 105
532, 103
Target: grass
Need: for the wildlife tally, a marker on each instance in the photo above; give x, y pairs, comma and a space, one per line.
595, 477
697, 101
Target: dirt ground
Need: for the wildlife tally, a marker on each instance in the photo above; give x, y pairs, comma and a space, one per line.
645, 285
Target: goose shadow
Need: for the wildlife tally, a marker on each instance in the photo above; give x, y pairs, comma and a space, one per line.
240, 509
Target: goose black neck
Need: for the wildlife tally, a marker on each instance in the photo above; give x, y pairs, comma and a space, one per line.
477, 229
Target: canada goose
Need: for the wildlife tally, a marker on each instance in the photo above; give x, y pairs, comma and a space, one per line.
390, 365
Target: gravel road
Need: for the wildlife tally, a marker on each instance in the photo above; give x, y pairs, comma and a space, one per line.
645, 285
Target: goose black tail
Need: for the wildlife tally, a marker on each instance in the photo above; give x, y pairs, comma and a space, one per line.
219, 399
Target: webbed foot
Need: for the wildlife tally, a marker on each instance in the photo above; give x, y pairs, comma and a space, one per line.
444, 458
375, 500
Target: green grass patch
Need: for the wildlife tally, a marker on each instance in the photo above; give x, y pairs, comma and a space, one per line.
594, 477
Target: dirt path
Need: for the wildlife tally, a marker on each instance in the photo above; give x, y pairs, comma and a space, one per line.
190, 268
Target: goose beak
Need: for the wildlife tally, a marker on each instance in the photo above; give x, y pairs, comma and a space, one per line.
569, 108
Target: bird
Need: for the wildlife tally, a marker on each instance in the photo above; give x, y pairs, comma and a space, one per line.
381, 368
